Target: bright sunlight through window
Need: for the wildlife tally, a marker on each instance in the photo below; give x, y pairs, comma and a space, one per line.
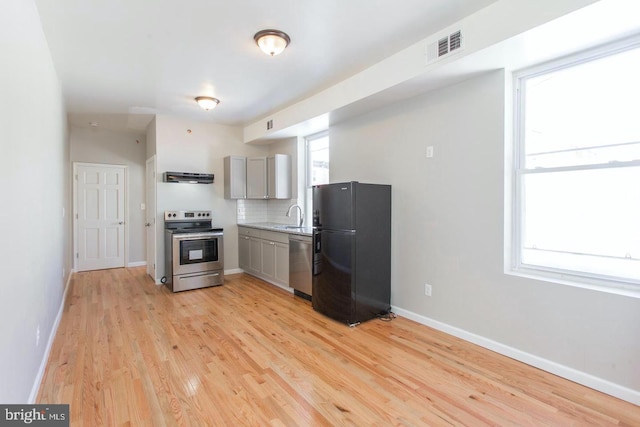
577, 168
317, 170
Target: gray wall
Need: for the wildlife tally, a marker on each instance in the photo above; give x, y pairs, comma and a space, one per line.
95, 145
448, 216
34, 200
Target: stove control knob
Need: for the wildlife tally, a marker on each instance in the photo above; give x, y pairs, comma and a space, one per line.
174, 215
208, 214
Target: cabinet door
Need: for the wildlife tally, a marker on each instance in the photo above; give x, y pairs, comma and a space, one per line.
244, 252
256, 178
255, 257
269, 259
282, 263
279, 176
235, 177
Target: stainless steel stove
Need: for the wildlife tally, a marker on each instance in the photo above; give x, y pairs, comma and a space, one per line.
193, 251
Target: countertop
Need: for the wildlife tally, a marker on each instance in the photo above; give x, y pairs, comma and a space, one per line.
282, 228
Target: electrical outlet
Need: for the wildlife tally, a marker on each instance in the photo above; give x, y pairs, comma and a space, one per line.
430, 151
38, 336
427, 289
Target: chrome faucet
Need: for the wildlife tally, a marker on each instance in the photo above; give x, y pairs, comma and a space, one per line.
300, 209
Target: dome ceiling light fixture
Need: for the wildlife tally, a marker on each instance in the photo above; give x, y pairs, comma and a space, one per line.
272, 42
207, 103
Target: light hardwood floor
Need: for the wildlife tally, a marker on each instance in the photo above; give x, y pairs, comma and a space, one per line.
130, 353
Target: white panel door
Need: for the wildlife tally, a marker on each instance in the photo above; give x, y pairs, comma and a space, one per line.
150, 216
100, 216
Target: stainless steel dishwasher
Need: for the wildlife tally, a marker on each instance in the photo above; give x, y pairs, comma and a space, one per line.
300, 265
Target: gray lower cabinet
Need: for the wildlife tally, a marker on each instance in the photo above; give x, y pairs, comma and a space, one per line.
255, 255
269, 259
244, 252
281, 273
264, 254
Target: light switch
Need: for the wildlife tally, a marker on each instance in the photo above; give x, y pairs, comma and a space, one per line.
143, 206
430, 151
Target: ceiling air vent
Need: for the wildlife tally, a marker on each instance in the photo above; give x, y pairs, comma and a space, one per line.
455, 41
444, 46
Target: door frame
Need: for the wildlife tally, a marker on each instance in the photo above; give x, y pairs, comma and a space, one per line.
151, 208
74, 179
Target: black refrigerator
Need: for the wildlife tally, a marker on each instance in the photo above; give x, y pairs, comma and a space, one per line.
352, 251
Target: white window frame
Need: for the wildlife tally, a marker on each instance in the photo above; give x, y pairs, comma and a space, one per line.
514, 187
308, 202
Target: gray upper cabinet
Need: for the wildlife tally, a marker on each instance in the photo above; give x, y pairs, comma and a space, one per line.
279, 176
257, 177
235, 177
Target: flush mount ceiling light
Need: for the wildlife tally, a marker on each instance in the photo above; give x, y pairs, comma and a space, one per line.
207, 103
272, 42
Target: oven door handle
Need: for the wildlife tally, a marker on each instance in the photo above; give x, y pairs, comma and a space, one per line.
196, 236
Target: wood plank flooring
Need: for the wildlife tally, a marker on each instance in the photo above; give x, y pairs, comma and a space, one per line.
130, 353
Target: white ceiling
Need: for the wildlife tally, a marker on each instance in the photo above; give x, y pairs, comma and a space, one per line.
121, 61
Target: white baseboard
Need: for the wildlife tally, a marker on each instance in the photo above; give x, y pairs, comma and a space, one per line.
45, 357
137, 264
596, 383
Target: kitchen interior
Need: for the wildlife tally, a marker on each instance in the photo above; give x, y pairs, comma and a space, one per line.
216, 199
342, 255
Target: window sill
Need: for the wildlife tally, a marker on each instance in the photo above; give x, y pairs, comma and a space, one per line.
594, 284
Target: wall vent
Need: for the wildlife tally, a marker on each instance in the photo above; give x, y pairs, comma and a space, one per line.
444, 46
455, 41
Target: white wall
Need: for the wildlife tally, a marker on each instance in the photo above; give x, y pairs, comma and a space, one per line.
202, 150
34, 193
448, 232
95, 145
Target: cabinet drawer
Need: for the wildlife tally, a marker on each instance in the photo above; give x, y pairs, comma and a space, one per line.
274, 236
246, 231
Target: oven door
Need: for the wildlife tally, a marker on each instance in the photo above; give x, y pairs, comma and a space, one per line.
198, 252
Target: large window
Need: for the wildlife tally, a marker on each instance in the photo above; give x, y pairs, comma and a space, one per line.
577, 169
317, 165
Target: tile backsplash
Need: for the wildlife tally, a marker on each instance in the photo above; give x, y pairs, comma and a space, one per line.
249, 211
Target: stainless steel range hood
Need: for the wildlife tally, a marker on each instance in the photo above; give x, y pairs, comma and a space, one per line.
188, 177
